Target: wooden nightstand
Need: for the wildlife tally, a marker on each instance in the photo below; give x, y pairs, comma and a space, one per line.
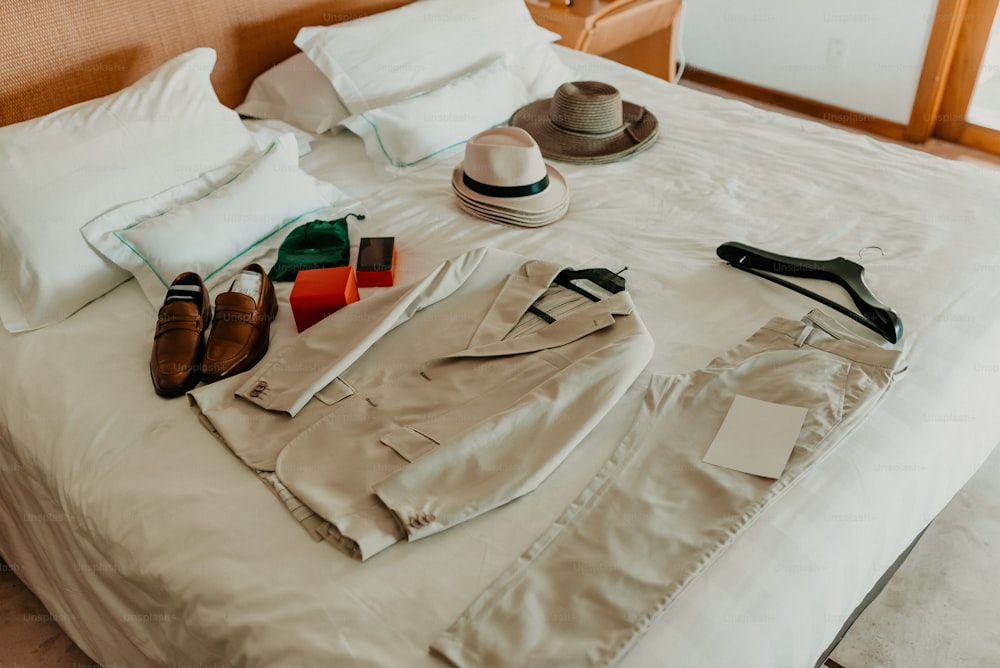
639, 33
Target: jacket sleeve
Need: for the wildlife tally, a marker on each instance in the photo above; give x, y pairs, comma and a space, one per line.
510, 453
289, 378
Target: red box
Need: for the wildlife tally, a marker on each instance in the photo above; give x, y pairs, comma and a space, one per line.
376, 262
319, 292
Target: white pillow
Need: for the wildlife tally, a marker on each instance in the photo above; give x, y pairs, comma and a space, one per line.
266, 131
214, 225
59, 171
411, 131
295, 91
386, 57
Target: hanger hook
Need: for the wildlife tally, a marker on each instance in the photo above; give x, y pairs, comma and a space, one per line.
861, 253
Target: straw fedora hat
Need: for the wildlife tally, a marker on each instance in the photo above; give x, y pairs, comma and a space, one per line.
505, 179
587, 122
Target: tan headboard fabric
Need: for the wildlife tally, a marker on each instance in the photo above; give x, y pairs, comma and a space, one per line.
54, 53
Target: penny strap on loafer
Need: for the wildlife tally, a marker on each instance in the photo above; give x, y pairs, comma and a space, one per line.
233, 315
179, 317
234, 307
194, 324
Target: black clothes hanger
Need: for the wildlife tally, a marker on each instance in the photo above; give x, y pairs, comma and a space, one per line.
849, 275
599, 276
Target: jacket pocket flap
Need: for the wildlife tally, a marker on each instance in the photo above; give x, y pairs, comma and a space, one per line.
408, 443
334, 392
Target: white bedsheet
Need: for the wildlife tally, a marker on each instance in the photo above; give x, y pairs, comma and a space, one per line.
153, 545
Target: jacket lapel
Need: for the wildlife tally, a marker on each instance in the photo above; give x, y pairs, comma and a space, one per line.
565, 330
517, 294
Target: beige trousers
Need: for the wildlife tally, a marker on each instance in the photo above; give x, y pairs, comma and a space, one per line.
656, 515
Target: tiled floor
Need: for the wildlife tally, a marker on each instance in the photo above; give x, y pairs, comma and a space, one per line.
941, 607
29, 636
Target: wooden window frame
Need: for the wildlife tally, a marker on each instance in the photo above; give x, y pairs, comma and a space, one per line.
954, 54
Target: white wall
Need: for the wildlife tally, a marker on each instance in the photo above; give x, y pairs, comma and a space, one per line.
863, 55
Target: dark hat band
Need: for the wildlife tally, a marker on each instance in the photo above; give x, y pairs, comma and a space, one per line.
505, 191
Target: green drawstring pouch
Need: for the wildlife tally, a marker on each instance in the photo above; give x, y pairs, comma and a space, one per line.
316, 245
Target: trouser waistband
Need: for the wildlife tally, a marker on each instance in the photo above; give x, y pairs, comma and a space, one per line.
818, 330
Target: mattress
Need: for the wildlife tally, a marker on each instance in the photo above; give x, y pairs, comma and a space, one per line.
152, 544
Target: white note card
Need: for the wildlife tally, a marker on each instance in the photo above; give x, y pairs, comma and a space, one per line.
756, 437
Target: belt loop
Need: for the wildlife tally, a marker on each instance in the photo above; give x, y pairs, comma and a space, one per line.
817, 319
803, 335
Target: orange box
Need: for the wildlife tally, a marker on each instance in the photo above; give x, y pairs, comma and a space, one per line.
376, 262
319, 292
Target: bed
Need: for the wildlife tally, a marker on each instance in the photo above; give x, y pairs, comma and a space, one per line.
153, 545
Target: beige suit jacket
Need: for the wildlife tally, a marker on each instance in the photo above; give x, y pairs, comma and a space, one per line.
409, 412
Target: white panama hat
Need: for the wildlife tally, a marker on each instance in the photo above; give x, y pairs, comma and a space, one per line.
505, 179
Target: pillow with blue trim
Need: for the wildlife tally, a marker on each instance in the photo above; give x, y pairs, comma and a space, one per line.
59, 171
216, 224
383, 58
412, 131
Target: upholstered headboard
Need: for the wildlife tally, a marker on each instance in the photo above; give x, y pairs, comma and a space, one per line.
57, 52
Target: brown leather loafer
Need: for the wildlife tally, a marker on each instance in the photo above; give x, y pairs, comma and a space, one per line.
242, 325
179, 341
